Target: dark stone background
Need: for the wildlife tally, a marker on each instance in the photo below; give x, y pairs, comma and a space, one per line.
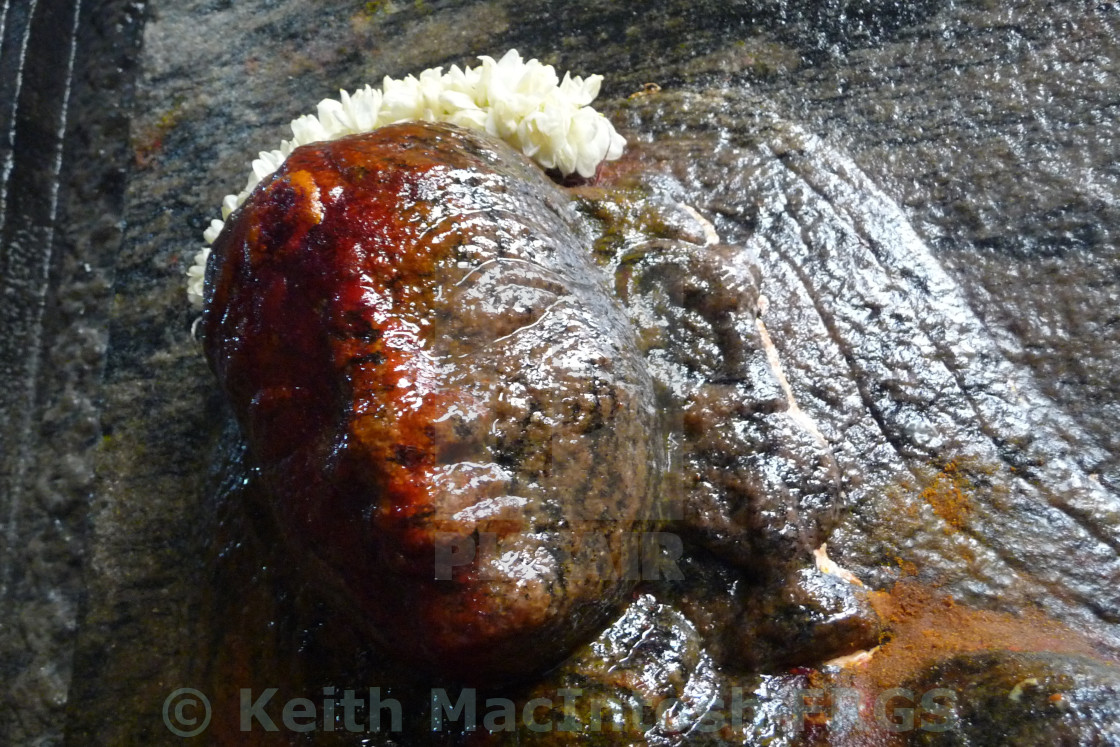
994, 125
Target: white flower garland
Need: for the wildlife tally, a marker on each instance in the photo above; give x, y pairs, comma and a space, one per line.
524, 103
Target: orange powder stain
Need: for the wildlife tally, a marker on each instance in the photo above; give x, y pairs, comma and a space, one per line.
906, 567
947, 496
923, 626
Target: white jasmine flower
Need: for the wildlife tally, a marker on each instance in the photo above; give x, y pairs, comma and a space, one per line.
309, 129
229, 204
579, 90
523, 102
212, 232
472, 119
400, 100
196, 275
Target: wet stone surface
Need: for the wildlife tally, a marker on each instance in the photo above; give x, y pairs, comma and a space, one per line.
925, 196
432, 376
1032, 698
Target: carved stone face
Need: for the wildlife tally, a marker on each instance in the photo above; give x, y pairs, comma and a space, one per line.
446, 402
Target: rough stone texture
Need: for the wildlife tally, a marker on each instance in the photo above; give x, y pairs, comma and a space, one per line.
991, 124
1003, 697
66, 81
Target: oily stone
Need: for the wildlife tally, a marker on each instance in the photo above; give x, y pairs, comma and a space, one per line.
963, 369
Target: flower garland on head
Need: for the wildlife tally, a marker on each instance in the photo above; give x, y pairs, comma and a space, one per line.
524, 103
